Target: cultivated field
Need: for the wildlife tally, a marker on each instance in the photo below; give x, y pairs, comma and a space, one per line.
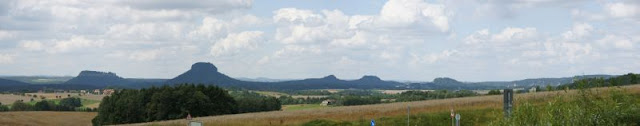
6, 99
365, 112
46, 118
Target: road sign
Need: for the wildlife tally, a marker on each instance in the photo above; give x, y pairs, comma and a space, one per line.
457, 119
194, 123
373, 122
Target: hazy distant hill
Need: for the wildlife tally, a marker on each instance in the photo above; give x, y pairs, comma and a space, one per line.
262, 79
207, 73
39, 79
448, 83
97, 78
5, 82
541, 81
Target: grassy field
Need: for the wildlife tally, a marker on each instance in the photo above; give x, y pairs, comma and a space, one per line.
46, 118
475, 110
302, 107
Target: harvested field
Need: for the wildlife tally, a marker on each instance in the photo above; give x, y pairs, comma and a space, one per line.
46, 118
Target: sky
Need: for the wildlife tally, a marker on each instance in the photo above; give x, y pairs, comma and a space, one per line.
468, 40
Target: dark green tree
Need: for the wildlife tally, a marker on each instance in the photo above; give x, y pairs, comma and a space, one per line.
21, 106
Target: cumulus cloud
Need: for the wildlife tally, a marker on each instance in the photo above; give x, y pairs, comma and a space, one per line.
507, 35
31, 45
212, 6
5, 35
144, 55
6, 58
579, 30
405, 13
616, 42
75, 43
622, 10
236, 42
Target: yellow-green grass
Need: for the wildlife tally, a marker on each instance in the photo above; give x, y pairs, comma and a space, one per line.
488, 106
46, 118
302, 107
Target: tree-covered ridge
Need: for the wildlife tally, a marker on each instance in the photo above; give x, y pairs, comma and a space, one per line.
627, 79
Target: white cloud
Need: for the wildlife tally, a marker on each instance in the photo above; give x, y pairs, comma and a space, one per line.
507, 35
144, 55
579, 30
235, 43
405, 13
297, 16
211, 6
510, 33
622, 10
211, 28
616, 42
74, 43
304, 26
6, 58
146, 32
31, 45
5, 35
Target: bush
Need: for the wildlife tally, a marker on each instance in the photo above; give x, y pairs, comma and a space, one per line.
21, 106
3, 108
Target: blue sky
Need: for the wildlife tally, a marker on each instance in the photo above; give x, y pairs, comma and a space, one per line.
415, 40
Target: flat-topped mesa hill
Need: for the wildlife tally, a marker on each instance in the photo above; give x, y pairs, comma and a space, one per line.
207, 73
97, 78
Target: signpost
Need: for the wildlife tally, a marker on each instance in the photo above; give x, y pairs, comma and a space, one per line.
194, 123
452, 120
373, 122
457, 119
508, 102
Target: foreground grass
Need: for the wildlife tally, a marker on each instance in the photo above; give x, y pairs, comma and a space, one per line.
599, 107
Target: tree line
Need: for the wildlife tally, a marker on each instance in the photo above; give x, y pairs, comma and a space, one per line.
627, 79
175, 102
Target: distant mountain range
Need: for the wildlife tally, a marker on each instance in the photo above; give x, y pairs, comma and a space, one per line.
207, 73
5, 82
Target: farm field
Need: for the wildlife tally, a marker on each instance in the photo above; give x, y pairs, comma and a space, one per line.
480, 106
10, 98
302, 107
46, 118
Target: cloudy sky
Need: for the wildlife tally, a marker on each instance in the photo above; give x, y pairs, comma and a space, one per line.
469, 40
